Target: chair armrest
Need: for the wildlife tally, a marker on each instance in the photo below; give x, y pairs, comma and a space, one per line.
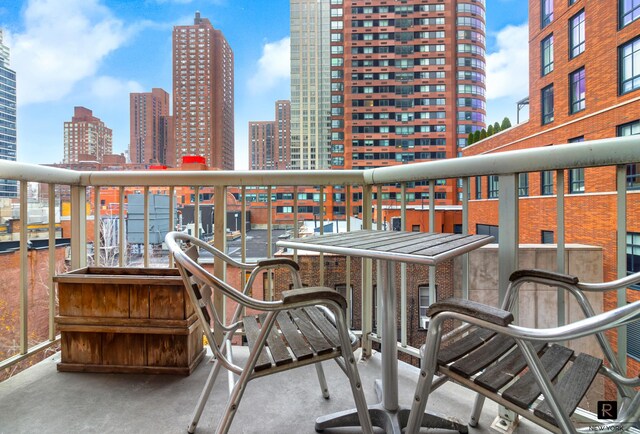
544, 274
471, 308
268, 263
312, 295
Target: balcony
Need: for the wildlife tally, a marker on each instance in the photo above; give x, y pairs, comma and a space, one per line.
41, 399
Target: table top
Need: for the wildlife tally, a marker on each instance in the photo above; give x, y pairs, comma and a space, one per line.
416, 247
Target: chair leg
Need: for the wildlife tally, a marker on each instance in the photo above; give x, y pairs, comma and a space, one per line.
322, 380
428, 369
354, 377
477, 409
204, 395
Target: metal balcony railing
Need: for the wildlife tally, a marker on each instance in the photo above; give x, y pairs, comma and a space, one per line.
80, 186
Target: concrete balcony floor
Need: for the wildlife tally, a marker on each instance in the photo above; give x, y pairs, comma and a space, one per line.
42, 400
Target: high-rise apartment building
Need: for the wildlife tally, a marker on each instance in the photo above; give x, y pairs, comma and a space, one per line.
8, 138
270, 141
583, 85
203, 94
310, 84
407, 83
261, 145
86, 137
150, 139
282, 133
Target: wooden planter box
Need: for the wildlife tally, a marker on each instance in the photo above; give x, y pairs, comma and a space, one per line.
133, 320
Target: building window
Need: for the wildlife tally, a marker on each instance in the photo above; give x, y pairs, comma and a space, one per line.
546, 47
492, 186
547, 237
576, 180
577, 90
633, 170
488, 230
629, 11
425, 301
546, 7
633, 254
546, 183
478, 187
523, 184
576, 34
547, 104
576, 176
629, 55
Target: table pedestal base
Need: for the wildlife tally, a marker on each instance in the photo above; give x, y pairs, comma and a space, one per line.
392, 422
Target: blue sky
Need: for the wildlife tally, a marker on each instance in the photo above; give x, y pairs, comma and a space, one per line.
95, 52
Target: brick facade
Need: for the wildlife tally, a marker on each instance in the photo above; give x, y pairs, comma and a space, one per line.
590, 215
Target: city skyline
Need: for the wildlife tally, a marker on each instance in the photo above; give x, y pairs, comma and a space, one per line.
103, 79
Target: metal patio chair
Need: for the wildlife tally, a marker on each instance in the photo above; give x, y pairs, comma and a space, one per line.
307, 326
488, 354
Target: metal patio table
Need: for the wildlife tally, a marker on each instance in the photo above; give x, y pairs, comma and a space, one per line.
389, 247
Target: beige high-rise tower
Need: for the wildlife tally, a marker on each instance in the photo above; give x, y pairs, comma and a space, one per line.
86, 137
310, 84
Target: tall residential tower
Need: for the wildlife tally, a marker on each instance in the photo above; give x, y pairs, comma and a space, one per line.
407, 84
203, 94
150, 138
8, 138
86, 137
310, 84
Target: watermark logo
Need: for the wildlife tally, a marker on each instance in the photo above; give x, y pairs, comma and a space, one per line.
607, 409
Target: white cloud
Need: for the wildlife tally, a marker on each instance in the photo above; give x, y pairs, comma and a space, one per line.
508, 67
64, 41
273, 66
106, 87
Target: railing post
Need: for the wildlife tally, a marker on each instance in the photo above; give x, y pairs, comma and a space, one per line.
465, 231
507, 231
403, 269
146, 226
96, 226
347, 259
367, 277
243, 232
78, 227
621, 257
560, 259
220, 243
321, 218
432, 228
52, 260
270, 239
172, 218
121, 226
24, 267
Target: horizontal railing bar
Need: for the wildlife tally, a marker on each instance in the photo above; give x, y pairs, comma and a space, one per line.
412, 351
605, 152
37, 173
223, 178
7, 363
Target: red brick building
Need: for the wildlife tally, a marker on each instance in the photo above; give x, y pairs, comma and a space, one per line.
584, 84
407, 84
282, 133
151, 138
261, 146
203, 96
